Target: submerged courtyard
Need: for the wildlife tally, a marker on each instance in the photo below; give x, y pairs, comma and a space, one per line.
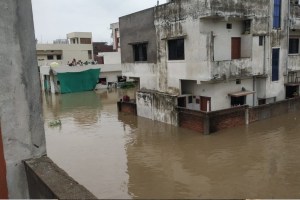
117, 155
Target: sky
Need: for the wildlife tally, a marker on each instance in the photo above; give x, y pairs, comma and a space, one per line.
53, 19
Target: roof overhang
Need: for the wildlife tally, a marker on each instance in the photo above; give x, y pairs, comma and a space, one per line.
240, 93
292, 84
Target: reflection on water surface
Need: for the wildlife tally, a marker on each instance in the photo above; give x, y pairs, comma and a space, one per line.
123, 156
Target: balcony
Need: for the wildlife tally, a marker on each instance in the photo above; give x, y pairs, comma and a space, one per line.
295, 17
223, 9
232, 69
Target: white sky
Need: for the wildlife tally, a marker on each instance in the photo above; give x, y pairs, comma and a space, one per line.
53, 19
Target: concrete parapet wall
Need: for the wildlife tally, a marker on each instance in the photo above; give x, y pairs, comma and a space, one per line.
273, 110
47, 181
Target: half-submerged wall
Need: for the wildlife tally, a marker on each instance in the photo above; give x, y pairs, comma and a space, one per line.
157, 106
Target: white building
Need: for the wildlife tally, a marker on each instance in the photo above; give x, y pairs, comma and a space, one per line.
212, 55
111, 72
79, 47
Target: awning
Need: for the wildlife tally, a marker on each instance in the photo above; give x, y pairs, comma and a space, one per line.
241, 93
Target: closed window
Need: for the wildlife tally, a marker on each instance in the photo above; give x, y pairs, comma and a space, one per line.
176, 49
275, 64
294, 46
58, 57
277, 14
140, 52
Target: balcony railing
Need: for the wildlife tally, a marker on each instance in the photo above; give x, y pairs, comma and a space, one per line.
232, 68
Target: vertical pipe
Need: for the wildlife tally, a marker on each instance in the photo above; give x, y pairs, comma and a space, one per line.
3, 182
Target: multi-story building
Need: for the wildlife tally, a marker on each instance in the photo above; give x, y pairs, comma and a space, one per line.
78, 46
210, 54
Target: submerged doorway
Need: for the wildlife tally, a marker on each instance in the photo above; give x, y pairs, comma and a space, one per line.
292, 91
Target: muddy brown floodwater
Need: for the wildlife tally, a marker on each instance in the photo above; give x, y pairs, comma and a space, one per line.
122, 156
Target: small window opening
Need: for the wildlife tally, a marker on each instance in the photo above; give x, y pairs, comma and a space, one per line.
229, 26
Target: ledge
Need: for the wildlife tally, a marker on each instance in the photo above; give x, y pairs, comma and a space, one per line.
47, 181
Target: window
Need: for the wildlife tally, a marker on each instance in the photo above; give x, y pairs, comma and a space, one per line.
90, 54
275, 64
261, 40
140, 52
229, 26
294, 46
176, 49
50, 57
85, 41
277, 14
247, 26
58, 57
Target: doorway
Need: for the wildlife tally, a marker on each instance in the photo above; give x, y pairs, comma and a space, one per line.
292, 91
205, 104
235, 48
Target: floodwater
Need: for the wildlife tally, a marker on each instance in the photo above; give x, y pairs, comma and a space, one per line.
117, 155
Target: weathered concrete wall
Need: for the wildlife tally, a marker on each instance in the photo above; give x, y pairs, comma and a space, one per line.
157, 106
20, 100
272, 110
137, 28
47, 181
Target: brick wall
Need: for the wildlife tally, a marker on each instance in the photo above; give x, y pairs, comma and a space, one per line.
229, 118
210, 122
191, 121
3, 183
127, 107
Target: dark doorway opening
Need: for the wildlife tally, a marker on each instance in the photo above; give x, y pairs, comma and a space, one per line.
292, 91
182, 102
238, 101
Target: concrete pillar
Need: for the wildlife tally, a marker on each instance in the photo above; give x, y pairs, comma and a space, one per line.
20, 98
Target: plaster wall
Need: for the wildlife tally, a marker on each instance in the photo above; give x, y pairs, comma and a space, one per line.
138, 28
69, 51
20, 100
146, 72
219, 92
157, 106
111, 57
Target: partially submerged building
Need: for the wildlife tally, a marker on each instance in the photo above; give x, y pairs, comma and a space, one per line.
78, 46
210, 55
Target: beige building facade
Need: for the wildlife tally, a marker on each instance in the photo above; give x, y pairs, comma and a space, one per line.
79, 47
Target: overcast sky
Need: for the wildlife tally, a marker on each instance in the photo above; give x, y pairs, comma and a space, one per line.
53, 19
